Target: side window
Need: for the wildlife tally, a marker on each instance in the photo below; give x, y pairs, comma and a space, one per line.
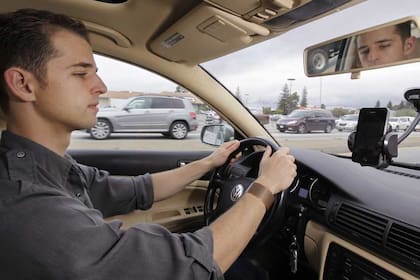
118, 128
140, 103
167, 103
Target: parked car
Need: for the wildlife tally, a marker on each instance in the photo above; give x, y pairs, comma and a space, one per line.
303, 121
212, 118
347, 122
172, 116
261, 117
400, 123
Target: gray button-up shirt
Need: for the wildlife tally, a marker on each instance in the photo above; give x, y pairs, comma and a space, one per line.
52, 227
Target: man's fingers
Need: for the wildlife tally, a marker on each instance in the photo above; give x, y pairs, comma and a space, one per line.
231, 145
267, 153
292, 158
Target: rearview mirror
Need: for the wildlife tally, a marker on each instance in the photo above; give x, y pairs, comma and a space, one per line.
389, 44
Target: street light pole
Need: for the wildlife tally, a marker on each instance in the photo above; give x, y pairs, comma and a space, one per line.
291, 80
320, 92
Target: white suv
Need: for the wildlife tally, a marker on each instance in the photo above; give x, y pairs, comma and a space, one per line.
347, 122
400, 123
172, 116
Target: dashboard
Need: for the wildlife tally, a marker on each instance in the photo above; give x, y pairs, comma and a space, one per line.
369, 217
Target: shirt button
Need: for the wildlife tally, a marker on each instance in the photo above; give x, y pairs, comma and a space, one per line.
20, 154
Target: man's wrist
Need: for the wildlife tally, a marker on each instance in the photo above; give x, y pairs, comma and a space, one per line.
265, 195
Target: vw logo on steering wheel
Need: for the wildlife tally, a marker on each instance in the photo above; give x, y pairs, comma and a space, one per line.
237, 192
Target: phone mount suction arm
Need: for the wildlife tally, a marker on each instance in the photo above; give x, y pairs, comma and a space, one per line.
412, 96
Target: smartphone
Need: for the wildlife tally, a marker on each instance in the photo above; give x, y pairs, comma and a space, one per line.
368, 142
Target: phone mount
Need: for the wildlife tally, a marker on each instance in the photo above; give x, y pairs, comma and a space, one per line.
388, 144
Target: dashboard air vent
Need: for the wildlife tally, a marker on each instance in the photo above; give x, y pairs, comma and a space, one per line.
361, 224
404, 241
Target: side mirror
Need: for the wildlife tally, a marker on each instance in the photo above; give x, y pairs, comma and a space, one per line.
216, 134
127, 109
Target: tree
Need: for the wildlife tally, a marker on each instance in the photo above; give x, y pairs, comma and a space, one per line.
400, 106
238, 94
304, 99
338, 112
266, 110
378, 104
283, 99
389, 106
287, 102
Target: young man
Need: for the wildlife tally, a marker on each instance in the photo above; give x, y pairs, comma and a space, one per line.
386, 45
50, 224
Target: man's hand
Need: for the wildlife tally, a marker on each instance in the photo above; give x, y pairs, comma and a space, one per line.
278, 171
221, 154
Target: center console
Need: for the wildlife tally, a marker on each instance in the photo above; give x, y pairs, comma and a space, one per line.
344, 264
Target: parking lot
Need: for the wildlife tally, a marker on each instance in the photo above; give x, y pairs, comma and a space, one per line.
334, 142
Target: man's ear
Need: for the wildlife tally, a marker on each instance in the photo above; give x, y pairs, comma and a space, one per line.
409, 46
21, 84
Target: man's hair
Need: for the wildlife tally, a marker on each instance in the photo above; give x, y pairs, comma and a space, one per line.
25, 42
404, 30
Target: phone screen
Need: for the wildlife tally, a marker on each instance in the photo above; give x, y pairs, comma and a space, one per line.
371, 128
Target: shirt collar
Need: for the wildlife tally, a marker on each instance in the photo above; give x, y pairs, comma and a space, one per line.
21, 148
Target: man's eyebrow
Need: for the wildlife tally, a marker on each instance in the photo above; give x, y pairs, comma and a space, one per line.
83, 65
383, 41
376, 42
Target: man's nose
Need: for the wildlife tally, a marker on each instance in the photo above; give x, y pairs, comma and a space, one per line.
100, 87
373, 55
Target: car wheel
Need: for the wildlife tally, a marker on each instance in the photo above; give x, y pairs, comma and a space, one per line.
101, 130
318, 61
178, 130
301, 128
328, 128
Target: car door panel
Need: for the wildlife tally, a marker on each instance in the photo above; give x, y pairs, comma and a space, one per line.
182, 212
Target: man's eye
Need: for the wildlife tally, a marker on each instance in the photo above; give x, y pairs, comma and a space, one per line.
384, 46
80, 74
364, 51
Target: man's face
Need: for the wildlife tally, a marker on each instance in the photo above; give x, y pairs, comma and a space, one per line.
380, 47
70, 97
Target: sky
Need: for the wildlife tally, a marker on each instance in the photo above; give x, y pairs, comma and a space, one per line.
261, 71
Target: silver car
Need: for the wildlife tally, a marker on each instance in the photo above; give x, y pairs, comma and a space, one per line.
348, 122
172, 116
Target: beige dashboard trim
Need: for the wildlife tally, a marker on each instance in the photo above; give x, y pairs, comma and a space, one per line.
318, 239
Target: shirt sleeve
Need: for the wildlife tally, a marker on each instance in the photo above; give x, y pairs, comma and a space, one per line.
114, 195
63, 239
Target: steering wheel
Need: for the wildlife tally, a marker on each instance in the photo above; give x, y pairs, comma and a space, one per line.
230, 181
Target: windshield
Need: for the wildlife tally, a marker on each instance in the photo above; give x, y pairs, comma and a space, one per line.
270, 76
299, 114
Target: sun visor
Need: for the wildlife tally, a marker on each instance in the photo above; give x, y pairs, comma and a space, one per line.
204, 33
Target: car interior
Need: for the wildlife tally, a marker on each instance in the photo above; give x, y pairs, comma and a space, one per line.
338, 220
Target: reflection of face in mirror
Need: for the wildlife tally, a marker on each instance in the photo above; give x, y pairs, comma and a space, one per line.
386, 45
